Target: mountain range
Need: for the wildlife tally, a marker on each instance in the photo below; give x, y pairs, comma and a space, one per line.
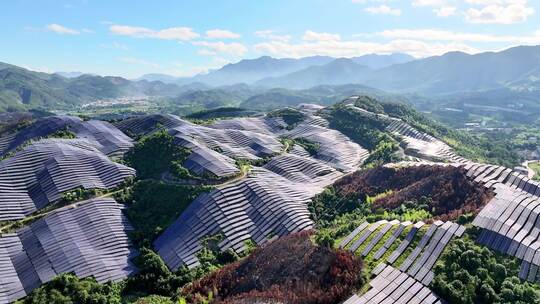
515, 71
252, 70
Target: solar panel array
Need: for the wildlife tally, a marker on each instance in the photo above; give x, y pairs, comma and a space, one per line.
511, 225
203, 160
234, 143
418, 143
422, 258
101, 134
91, 240
335, 149
272, 200
146, 124
394, 286
87, 240
42, 171
265, 125
262, 205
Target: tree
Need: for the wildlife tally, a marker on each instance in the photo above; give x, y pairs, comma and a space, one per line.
155, 154
153, 278
69, 289
325, 239
468, 273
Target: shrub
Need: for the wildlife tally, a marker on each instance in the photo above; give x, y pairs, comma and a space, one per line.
67, 288
290, 270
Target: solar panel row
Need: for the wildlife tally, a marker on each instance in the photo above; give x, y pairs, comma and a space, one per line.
87, 240
421, 260
272, 200
41, 172
100, 134
394, 286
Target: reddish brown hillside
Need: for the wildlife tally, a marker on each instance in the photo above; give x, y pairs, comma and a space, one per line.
451, 192
289, 270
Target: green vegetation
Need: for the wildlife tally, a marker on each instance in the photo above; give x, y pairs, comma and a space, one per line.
276, 98
370, 104
369, 132
362, 129
535, 166
384, 152
290, 116
473, 147
23, 89
79, 194
214, 98
223, 112
336, 215
63, 133
153, 206
153, 299
468, 273
68, 289
329, 204
154, 283
310, 146
288, 143
156, 154
155, 278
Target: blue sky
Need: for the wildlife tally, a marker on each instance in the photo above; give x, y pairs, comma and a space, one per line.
182, 38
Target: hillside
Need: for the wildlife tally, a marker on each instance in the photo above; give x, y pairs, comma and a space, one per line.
338, 72
24, 89
252, 70
376, 61
458, 72
506, 81
299, 205
289, 270
218, 97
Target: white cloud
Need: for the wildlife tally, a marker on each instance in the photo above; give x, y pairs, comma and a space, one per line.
59, 29
271, 35
352, 48
212, 48
445, 11
383, 10
482, 11
172, 33
315, 36
499, 12
436, 3
221, 34
443, 35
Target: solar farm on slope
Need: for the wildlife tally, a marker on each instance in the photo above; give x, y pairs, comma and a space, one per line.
289, 165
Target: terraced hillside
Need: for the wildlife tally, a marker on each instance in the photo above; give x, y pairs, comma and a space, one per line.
89, 240
100, 134
369, 186
42, 172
